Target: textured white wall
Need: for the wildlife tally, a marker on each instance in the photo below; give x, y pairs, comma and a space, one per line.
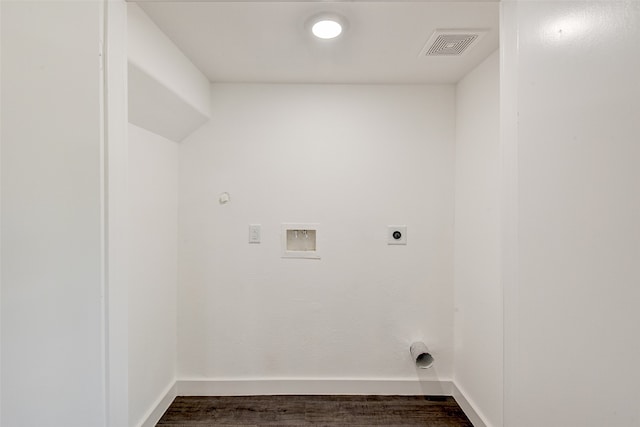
52, 296
572, 318
477, 274
153, 238
354, 159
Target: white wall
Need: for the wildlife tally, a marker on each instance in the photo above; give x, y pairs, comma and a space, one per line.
168, 95
354, 159
153, 237
116, 214
572, 318
52, 262
155, 54
477, 274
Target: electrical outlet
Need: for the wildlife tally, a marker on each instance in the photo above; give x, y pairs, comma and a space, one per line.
397, 235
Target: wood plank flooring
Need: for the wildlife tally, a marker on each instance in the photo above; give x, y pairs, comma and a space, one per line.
314, 410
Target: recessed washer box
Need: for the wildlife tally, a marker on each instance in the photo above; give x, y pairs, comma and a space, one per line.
300, 240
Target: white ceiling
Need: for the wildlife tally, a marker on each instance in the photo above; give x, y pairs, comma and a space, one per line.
262, 41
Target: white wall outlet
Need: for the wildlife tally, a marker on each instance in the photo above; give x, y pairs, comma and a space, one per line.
397, 235
254, 233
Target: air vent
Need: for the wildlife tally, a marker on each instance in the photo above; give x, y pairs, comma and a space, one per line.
451, 42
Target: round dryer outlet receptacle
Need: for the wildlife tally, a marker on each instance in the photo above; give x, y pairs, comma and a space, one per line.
397, 235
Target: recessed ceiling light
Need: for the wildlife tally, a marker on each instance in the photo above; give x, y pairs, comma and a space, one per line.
326, 29
326, 25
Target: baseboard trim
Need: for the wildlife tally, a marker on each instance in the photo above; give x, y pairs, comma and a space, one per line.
470, 411
248, 387
252, 387
160, 406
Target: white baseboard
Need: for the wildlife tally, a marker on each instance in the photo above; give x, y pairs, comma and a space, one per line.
468, 408
248, 387
159, 407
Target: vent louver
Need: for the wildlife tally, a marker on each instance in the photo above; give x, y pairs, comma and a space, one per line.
451, 42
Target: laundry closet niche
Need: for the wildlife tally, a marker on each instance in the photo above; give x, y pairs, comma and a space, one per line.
239, 118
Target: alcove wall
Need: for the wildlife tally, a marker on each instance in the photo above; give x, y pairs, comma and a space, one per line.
354, 159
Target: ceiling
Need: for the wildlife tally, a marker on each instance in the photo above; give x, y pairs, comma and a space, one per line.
269, 42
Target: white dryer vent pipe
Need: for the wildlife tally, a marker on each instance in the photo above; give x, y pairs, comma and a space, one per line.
421, 355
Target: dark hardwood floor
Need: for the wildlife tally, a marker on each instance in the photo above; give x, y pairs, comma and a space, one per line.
314, 410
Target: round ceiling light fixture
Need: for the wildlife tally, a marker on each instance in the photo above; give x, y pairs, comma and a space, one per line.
327, 26
326, 29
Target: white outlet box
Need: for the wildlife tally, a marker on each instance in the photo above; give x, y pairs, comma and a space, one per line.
397, 235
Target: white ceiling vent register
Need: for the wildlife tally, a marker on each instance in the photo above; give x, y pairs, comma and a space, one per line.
451, 42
